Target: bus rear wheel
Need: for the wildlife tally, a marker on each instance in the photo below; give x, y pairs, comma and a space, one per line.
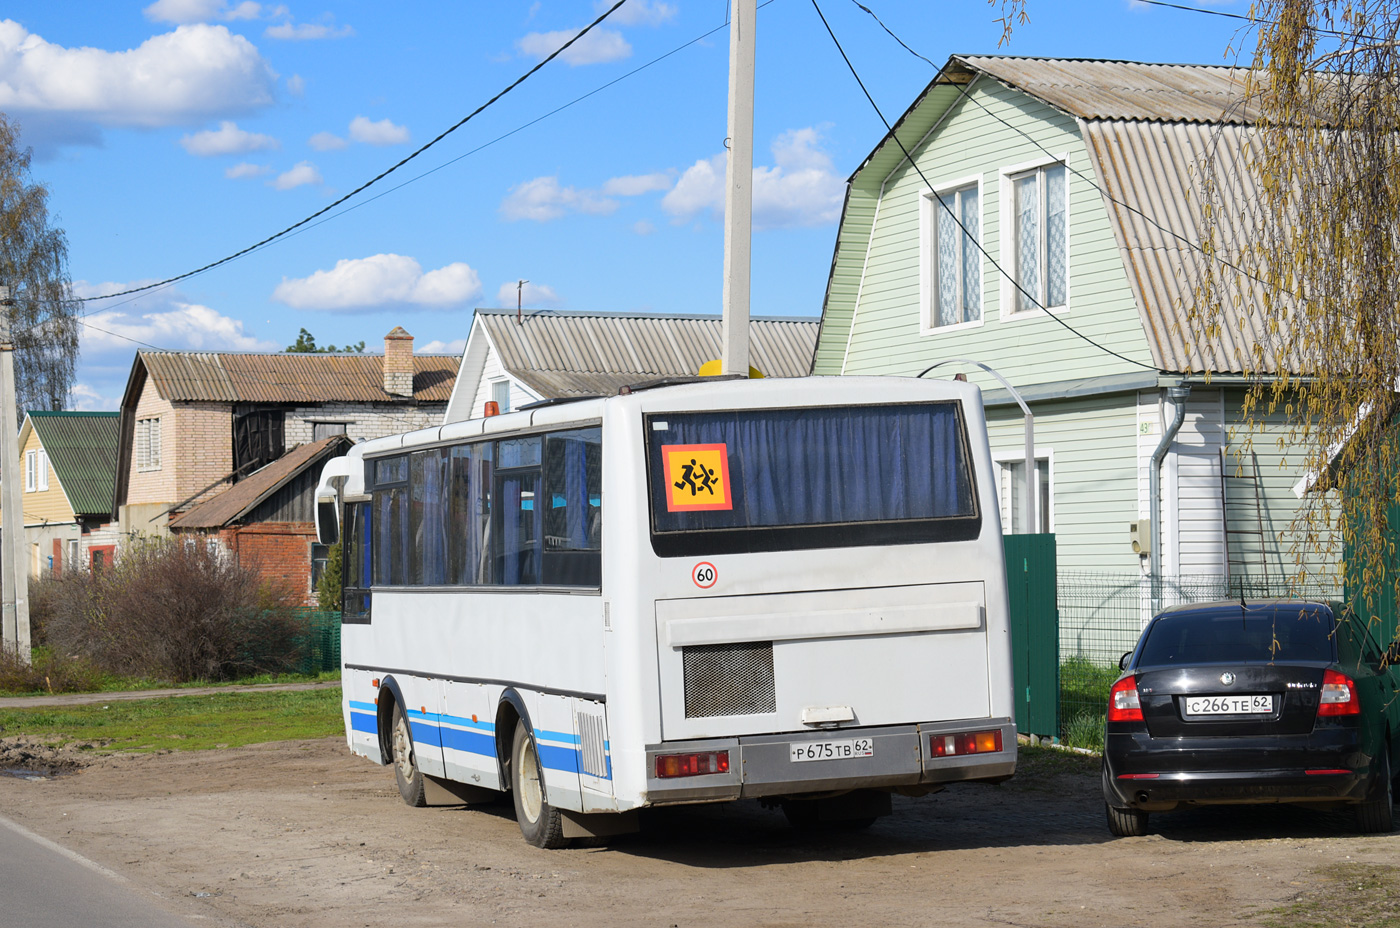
540, 823
406, 771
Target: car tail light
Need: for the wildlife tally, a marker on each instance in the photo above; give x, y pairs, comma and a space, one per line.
969, 742
692, 765
1123, 702
1338, 695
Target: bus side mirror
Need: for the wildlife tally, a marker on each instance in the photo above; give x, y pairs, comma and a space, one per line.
327, 521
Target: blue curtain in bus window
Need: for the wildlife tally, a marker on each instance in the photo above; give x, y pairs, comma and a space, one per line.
469, 509
520, 529
391, 539
824, 466
428, 517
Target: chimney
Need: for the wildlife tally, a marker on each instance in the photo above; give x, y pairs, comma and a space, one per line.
398, 363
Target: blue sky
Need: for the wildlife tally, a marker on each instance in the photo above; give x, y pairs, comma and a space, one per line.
176, 132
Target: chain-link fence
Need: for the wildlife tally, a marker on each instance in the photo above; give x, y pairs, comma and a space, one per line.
320, 644
1101, 616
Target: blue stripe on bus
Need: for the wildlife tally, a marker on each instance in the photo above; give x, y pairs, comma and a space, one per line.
425, 734
556, 736
362, 721
364, 706
558, 758
472, 742
467, 723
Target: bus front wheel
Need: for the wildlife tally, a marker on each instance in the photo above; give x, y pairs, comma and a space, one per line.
406, 771
540, 823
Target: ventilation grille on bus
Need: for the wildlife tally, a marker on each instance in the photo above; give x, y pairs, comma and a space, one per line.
591, 736
728, 679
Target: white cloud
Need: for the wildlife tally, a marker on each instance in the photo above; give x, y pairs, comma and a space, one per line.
246, 169
296, 85
382, 132
542, 199
456, 346
599, 46
638, 12
380, 280
304, 173
531, 295
164, 318
245, 10
635, 185
327, 141
183, 11
642, 227
85, 398
228, 139
303, 32
179, 78
799, 189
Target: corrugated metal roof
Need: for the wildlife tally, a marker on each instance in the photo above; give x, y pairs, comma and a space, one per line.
589, 354
228, 506
82, 447
1093, 89
1153, 176
191, 376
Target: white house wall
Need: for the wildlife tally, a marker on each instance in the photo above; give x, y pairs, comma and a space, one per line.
492, 371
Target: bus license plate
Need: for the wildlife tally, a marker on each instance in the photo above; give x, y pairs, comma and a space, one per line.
843, 749
1229, 705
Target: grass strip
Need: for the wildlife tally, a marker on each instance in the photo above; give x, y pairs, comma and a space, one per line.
1346, 895
183, 723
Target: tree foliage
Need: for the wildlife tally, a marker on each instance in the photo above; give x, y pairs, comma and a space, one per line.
306, 344
1314, 272
34, 265
328, 587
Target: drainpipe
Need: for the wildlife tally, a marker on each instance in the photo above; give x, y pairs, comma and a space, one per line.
1177, 395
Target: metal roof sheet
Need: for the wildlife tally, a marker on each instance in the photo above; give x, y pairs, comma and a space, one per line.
578, 354
228, 377
1154, 178
82, 448
229, 505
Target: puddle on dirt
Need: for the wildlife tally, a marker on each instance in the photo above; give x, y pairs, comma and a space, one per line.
34, 775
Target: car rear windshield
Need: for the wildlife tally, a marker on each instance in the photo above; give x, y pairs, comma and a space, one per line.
780, 479
1240, 635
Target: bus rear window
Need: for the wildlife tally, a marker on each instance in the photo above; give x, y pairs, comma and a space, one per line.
784, 479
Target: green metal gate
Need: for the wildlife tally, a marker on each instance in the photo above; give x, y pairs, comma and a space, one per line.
1035, 632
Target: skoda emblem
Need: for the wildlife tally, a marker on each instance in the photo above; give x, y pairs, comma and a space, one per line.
1227, 678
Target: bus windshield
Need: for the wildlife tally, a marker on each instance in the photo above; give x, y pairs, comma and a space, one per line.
766, 480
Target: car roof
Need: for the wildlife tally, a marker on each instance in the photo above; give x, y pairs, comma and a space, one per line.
1256, 605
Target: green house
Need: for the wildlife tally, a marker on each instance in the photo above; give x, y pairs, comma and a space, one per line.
1042, 217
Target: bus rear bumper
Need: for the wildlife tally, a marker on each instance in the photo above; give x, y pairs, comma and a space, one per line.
764, 765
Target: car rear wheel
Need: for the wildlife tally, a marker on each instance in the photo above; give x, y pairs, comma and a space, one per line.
1377, 815
1126, 823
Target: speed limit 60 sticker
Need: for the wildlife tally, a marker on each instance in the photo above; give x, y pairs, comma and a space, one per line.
704, 575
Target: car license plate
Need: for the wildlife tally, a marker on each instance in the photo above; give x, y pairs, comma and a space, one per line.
842, 749
1229, 705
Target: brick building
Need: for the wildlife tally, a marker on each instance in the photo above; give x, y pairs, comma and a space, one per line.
267, 520
195, 423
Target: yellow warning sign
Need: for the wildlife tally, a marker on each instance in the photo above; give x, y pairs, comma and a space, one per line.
697, 477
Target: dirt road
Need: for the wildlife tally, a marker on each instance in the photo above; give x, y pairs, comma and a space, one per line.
303, 834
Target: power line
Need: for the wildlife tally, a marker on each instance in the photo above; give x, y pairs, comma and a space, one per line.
373, 180
971, 238
1253, 21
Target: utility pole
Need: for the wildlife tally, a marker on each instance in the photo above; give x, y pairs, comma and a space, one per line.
14, 599
738, 194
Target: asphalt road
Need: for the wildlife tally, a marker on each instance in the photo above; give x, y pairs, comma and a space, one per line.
43, 885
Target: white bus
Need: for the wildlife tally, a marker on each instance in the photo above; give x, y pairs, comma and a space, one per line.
789, 590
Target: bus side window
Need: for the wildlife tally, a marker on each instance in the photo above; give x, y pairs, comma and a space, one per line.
390, 518
516, 517
573, 527
427, 519
355, 565
469, 514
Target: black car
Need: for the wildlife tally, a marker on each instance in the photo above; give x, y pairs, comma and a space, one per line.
1245, 703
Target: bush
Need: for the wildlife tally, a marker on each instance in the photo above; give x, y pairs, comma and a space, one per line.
328, 587
174, 610
49, 673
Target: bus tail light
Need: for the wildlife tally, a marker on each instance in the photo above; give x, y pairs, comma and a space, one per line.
1338, 695
1123, 702
692, 765
970, 742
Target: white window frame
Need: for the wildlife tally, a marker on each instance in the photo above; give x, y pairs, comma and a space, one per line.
508, 385
31, 471
42, 469
929, 208
1006, 177
147, 452
1000, 459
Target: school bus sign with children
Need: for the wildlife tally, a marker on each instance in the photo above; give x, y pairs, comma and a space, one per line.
697, 477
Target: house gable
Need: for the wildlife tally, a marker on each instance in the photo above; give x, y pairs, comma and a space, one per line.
984, 136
